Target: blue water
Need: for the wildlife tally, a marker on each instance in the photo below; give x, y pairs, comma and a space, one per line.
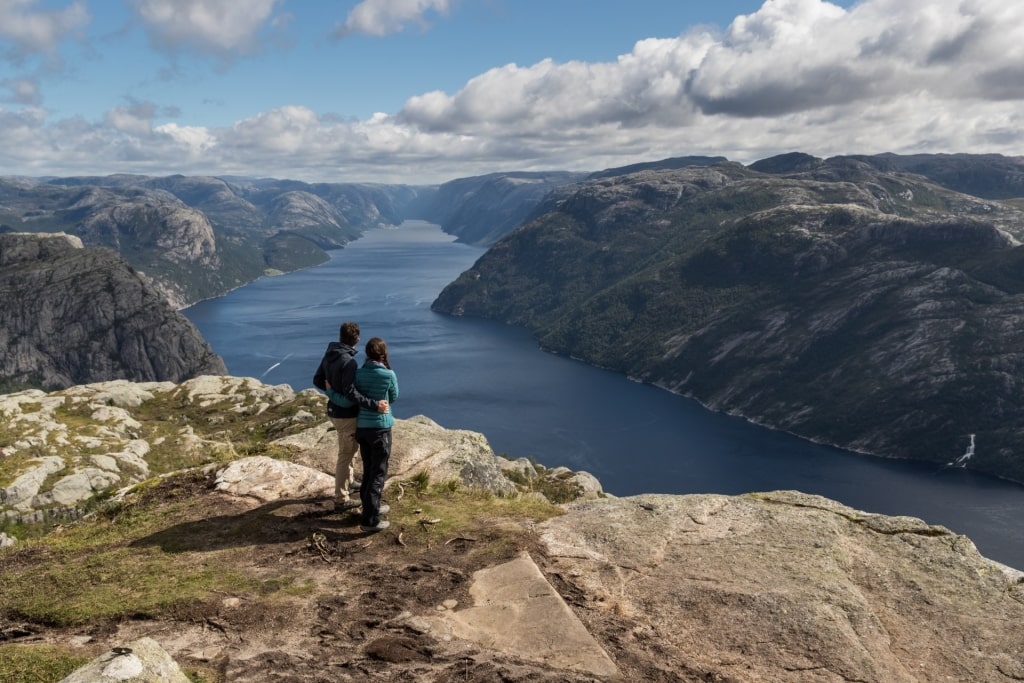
493, 379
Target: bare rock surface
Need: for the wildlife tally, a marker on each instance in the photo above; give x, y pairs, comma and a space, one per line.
423, 446
776, 587
267, 480
516, 611
64, 447
785, 586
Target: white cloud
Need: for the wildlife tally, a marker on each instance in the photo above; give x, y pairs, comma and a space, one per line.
796, 55
225, 28
384, 17
798, 75
192, 139
22, 91
32, 30
135, 119
645, 87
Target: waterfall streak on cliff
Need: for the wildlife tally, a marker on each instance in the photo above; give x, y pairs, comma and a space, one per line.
968, 454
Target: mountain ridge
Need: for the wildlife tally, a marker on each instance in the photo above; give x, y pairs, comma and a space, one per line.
256, 233
759, 293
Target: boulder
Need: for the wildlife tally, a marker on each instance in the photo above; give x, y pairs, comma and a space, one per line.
140, 661
269, 480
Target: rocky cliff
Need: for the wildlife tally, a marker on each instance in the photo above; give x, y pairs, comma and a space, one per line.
235, 565
870, 309
72, 315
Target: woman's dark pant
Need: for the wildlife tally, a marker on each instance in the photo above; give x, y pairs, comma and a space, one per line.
375, 450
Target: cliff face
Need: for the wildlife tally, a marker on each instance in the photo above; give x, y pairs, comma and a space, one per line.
872, 310
172, 243
71, 315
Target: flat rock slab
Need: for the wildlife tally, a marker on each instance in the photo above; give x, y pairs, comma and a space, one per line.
517, 612
268, 480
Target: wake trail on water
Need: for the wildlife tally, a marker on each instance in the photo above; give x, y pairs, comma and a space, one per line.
276, 365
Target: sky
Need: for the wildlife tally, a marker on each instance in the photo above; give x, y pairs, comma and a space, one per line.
425, 91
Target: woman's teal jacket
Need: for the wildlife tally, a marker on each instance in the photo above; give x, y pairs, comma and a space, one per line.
377, 382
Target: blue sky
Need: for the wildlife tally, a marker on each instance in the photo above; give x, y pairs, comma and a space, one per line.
424, 91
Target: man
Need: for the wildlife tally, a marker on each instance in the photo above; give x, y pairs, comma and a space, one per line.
337, 370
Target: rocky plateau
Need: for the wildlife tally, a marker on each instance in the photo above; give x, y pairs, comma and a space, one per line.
231, 473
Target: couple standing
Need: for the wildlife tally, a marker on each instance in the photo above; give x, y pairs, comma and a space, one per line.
359, 405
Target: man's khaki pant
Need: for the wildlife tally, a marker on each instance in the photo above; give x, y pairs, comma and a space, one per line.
344, 473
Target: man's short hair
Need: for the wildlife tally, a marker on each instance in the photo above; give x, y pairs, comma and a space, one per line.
349, 333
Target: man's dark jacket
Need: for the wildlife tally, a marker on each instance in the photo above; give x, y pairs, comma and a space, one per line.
338, 366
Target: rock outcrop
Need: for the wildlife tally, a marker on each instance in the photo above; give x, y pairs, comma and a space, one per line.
71, 315
62, 449
771, 587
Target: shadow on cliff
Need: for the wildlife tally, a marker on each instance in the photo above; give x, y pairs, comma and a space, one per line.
282, 521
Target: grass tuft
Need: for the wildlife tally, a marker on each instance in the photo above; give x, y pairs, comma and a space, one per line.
445, 510
36, 663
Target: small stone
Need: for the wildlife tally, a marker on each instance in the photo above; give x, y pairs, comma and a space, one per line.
207, 654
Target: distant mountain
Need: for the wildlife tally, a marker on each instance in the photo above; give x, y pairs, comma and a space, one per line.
872, 309
793, 162
73, 315
199, 237
662, 165
482, 209
991, 176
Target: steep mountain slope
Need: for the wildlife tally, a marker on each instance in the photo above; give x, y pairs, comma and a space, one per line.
173, 243
482, 209
869, 309
992, 176
199, 237
71, 315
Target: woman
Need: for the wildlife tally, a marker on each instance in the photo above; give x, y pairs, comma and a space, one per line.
375, 380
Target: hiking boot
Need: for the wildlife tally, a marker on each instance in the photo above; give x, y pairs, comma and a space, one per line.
384, 509
346, 505
381, 525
